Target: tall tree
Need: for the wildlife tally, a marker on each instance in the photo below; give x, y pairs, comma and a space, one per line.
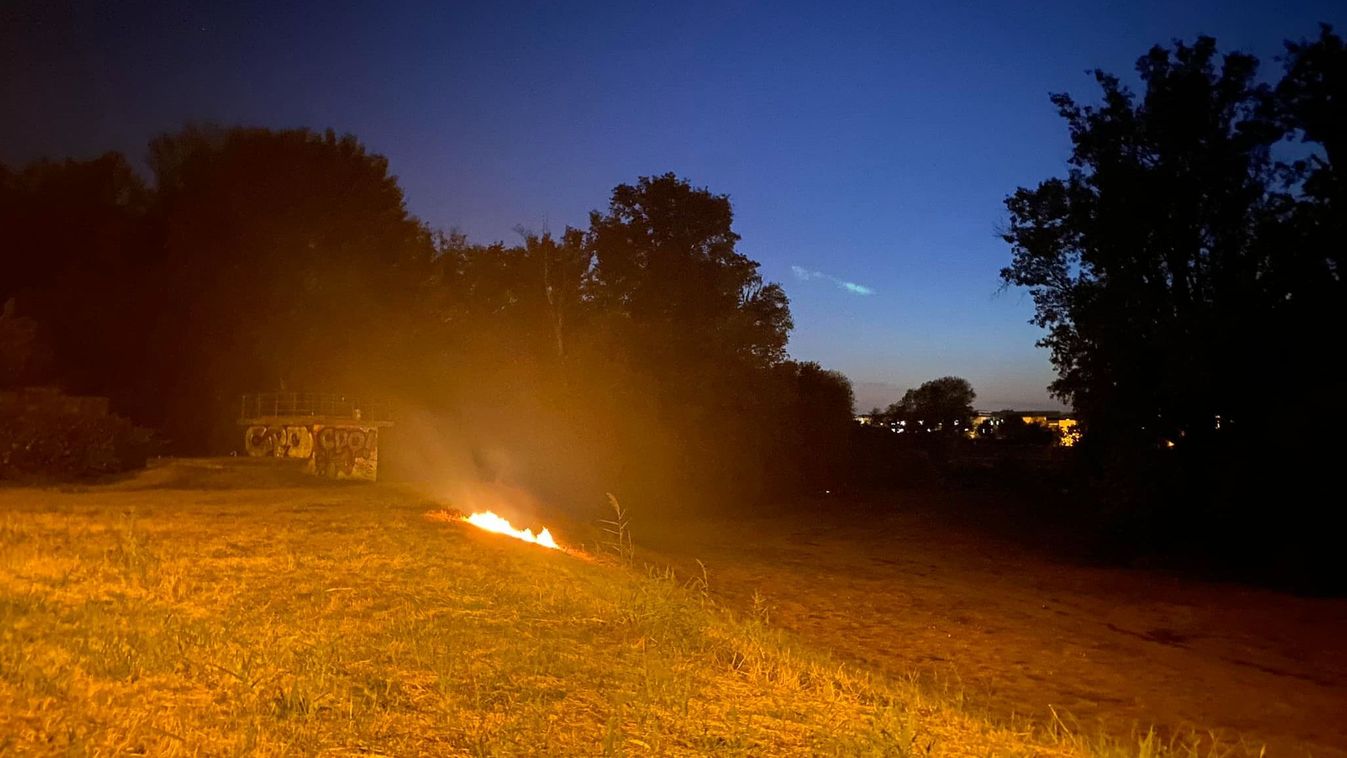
943, 405
823, 421
1175, 267
288, 259
565, 263
665, 257
1313, 98
72, 252
60, 217
690, 324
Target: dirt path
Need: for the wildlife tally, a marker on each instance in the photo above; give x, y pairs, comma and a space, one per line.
1019, 634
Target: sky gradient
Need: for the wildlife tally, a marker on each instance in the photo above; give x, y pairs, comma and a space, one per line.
867, 148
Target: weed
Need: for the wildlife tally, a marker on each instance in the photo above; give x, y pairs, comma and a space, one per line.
761, 611
617, 531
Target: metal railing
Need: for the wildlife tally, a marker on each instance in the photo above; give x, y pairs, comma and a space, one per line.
325, 404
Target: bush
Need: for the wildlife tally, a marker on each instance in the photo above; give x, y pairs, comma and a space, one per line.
53, 445
884, 460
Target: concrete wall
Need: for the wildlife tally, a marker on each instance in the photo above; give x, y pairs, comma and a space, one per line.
346, 452
336, 451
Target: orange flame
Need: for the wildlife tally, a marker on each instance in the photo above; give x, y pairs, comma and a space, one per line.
493, 523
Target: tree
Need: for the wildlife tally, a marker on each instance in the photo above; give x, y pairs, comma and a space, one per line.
664, 257
24, 358
1312, 97
289, 261
72, 249
62, 218
1182, 272
682, 330
1188, 271
822, 418
943, 405
565, 263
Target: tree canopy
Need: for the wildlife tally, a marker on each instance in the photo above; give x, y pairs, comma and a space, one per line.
943, 405
1187, 269
664, 257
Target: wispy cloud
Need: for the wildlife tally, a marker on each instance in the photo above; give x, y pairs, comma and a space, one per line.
805, 274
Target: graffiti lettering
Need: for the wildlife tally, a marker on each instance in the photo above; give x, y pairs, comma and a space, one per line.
278, 441
346, 452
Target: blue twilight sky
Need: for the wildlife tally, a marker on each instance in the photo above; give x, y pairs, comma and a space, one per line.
867, 147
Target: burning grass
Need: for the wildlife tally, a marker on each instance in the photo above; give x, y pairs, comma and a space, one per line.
492, 523
339, 619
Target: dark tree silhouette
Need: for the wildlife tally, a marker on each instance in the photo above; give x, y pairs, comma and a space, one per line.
943, 405
67, 219
823, 424
73, 252
287, 257
1188, 271
1313, 100
665, 257
565, 264
24, 358
1183, 272
696, 334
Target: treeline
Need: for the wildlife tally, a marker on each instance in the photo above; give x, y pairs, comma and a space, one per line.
642, 354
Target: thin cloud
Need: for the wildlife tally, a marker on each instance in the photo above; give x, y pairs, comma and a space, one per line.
804, 275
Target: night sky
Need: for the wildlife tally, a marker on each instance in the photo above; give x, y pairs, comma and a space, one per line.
866, 148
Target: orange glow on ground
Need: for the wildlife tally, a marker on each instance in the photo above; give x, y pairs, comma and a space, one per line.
493, 523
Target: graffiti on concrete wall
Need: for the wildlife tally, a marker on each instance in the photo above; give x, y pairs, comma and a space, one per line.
337, 436
336, 452
346, 452
278, 441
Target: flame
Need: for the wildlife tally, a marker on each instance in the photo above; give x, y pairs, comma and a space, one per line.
493, 523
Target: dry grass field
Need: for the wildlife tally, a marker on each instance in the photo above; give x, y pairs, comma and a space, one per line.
237, 607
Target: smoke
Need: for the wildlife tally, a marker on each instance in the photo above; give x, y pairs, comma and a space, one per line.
472, 459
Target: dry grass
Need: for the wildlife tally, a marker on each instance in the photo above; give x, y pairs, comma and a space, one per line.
201, 616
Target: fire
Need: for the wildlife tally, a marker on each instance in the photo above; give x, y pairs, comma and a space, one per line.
493, 523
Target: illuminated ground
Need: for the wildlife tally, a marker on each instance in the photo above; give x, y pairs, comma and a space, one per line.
229, 607
1013, 632
226, 607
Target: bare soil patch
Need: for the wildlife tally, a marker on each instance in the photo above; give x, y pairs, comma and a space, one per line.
903, 589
